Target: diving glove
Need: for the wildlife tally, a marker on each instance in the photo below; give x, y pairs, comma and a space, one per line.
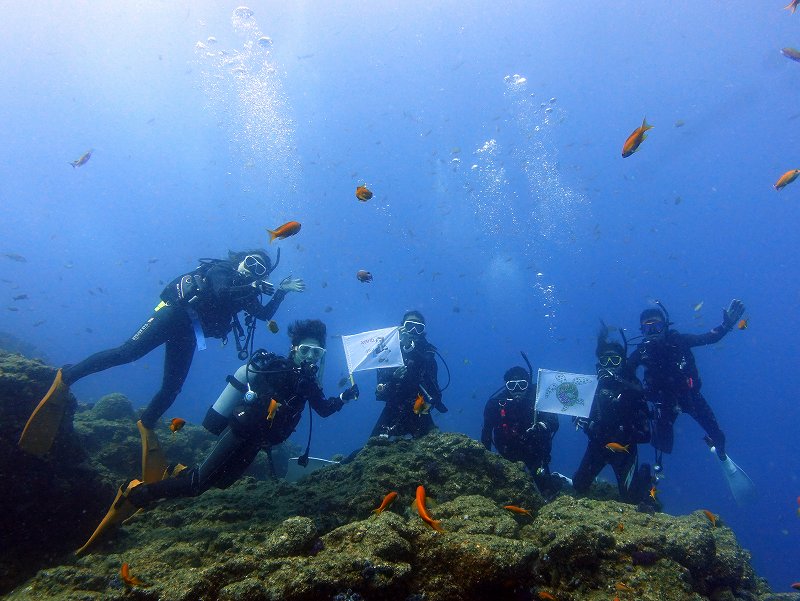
732, 314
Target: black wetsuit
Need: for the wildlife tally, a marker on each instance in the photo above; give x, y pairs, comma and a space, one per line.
226, 293
619, 414
399, 394
249, 430
509, 423
672, 383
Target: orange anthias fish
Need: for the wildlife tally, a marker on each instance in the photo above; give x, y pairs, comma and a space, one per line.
637, 137
516, 509
289, 228
363, 194
387, 500
423, 512
796, 586
711, 517
620, 527
792, 6
786, 179
546, 595
617, 448
176, 424
364, 276
82, 160
742, 325
420, 406
272, 410
127, 579
621, 586
653, 493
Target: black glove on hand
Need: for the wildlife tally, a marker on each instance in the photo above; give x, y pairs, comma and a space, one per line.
732, 314
349, 394
264, 287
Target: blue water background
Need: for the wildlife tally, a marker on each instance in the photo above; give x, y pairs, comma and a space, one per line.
509, 225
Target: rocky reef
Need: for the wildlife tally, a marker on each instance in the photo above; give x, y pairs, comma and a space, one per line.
317, 539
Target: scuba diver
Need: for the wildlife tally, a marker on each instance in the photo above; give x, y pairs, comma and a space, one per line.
270, 399
202, 303
520, 433
618, 422
671, 379
410, 390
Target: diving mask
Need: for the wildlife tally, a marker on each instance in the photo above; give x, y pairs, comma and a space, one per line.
652, 327
610, 360
513, 385
413, 327
253, 265
309, 352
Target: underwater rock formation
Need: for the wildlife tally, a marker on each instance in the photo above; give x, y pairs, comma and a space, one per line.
316, 539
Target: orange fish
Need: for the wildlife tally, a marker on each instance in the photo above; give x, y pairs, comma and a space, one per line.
546, 595
711, 517
423, 513
787, 178
127, 579
620, 527
617, 448
273, 408
420, 406
637, 137
363, 194
621, 586
176, 424
364, 276
653, 492
516, 509
796, 586
287, 229
792, 6
743, 323
387, 500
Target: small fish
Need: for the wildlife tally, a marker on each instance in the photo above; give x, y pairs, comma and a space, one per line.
364, 276
791, 53
273, 326
637, 137
420, 406
328, 309
387, 500
82, 160
151, 261
784, 180
620, 527
792, 5
272, 410
176, 424
653, 493
699, 306
19, 297
13, 308
423, 513
743, 323
15, 257
680, 123
290, 228
363, 194
617, 448
711, 517
796, 586
516, 509
546, 595
621, 586
36, 324
127, 579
